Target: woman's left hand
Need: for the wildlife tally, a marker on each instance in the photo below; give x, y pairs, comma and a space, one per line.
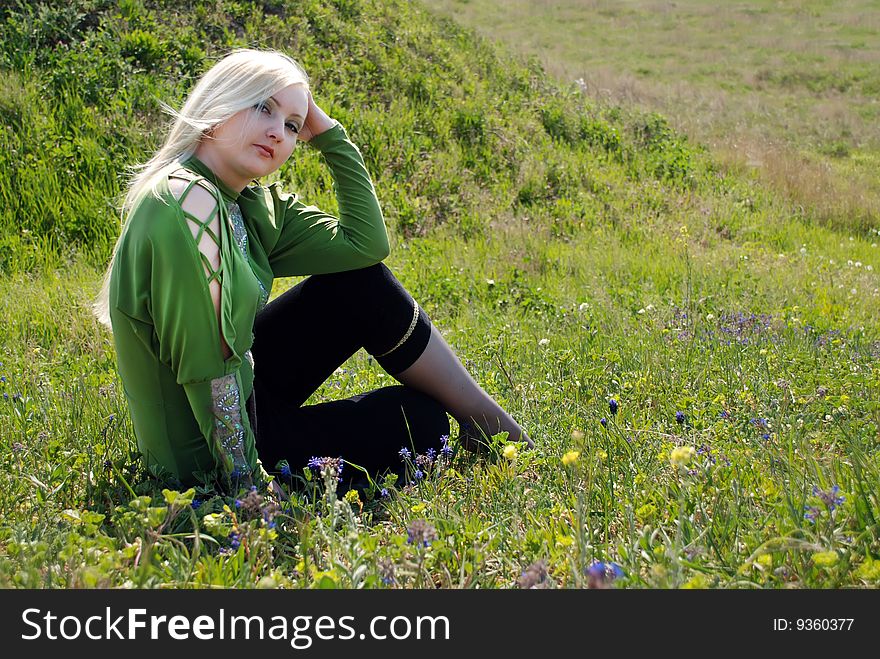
317, 121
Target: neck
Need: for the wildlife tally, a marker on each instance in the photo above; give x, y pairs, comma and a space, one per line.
231, 179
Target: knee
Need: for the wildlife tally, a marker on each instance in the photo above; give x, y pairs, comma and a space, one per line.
427, 419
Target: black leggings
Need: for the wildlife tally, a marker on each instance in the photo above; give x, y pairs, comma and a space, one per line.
304, 335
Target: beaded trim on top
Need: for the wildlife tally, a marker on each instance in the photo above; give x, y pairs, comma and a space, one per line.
241, 239
228, 427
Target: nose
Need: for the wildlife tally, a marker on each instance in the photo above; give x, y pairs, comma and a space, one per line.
275, 131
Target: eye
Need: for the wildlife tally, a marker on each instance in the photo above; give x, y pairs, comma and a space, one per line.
261, 107
292, 127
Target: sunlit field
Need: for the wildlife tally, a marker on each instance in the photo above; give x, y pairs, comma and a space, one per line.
694, 354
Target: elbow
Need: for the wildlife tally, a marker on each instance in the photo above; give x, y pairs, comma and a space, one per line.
383, 249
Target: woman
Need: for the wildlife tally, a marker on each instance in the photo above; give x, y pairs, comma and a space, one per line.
215, 377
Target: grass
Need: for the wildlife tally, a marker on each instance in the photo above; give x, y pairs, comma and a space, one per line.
570, 252
786, 90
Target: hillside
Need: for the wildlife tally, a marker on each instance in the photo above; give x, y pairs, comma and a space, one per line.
572, 253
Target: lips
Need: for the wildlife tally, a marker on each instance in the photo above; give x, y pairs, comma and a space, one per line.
269, 152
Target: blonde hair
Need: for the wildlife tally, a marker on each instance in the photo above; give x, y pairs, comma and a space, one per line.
241, 79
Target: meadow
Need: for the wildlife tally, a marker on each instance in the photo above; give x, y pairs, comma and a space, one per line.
786, 92
695, 355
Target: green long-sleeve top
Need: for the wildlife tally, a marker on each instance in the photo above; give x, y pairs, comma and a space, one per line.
187, 402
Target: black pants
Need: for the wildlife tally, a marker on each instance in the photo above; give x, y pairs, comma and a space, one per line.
301, 337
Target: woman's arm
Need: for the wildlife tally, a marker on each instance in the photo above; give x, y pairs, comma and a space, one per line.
312, 241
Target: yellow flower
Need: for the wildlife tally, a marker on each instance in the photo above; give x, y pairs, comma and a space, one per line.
510, 452
681, 455
570, 458
825, 558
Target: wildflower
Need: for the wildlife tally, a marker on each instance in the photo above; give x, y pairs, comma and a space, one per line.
510, 452
680, 417
681, 455
534, 576
353, 498
724, 414
285, 471
404, 453
812, 513
386, 571
830, 498
765, 436
446, 449
196, 503
420, 533
825, 558
17, 447
419, 475
326, 467
543, 342
431, 454
612, 405
234, 540
570, 458
604, 422
384, 492
602, 575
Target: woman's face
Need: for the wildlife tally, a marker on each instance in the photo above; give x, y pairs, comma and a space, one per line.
256, 141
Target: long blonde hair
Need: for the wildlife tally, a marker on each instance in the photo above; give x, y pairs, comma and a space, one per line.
241, 79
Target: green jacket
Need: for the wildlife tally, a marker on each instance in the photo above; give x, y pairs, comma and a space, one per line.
187, 403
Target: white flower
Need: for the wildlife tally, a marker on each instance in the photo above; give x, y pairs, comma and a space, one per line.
543, 342
858, 264
641, 311
803, 250
491, 282
583, 306
650, 307
869, 268
710, 316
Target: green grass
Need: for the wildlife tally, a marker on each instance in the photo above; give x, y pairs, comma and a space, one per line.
569, 253
787, 90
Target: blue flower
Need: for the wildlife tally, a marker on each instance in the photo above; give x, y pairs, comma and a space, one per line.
384, 492
404, 453
419, 474
604, 422
830, 498
196, 503
612, 405
431, 453
679, 417
812, 513
285, 471
234, 539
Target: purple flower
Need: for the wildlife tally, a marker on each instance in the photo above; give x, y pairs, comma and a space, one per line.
196, 503
431, 453
419, 474
812, 513
612, 405
285, 471
602, 575
830, 498
604, 422
420, 533
680, 417
384, 492
234, 540
404, 453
